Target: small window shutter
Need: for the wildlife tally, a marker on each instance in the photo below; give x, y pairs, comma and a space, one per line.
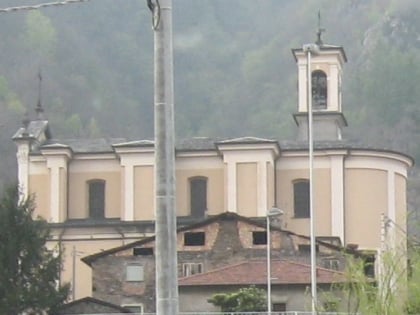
135, 273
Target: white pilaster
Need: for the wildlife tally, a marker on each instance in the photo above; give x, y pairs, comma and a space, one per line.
231, 187
131, 157
391, 213
333, 89
55, 164
128, 214
262, 190
22, 156
302, 106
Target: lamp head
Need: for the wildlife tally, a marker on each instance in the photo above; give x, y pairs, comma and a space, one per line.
312, 48
273, 212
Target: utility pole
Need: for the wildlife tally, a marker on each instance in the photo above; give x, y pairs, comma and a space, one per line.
165, 226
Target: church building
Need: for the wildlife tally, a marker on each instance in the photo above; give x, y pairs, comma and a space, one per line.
99, 194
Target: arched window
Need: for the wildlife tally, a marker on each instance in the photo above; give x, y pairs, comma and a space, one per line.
301, 198
198, 196
319, 89
96, 190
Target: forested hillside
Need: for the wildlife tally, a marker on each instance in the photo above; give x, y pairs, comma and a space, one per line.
234, 71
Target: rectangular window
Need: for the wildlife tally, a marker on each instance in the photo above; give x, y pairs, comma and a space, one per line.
306, 248
189, 269
198, 196
301, 199
369, 265
194, 238
96, 199
134, 273
259, 237
333, 264
134, 308
142, 251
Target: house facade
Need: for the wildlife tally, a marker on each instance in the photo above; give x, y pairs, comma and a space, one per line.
99, 194
219, 254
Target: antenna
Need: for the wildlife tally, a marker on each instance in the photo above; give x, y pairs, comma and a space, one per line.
320, 30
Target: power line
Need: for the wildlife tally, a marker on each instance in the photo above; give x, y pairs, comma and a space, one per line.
40, 6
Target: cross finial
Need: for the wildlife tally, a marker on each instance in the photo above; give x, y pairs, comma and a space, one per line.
320, 30
39, 110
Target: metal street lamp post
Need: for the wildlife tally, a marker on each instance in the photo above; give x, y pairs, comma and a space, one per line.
310, 49
273, 212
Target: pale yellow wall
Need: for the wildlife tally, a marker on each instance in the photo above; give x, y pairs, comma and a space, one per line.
215, 190
83, 272
78, 193
246, 179
39, 187
144, 193
322, 200
365, 200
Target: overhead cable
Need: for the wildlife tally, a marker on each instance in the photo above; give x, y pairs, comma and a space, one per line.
40, 6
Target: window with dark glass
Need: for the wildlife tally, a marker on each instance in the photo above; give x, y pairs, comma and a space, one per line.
301, 199
319, 89
198, 196
142, 251
306, 248
369, 265
96, 199
194, 238
259, 237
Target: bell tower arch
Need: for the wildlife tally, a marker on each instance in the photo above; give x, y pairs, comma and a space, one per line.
326, 77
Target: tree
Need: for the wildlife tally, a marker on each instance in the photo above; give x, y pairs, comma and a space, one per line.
394, 291
28, 270
249, 299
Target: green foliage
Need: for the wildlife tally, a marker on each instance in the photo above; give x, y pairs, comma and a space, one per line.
74, 126
394, 291
40, 33
249, 299
28, 270
8, 100
413, 303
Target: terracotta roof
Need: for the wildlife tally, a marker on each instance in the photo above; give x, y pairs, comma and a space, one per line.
255, 272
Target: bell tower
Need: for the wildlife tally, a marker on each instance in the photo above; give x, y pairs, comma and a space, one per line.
325, 66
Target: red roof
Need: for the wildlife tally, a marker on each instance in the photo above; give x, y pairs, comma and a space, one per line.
255, 272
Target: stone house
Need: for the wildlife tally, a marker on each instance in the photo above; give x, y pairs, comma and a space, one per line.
222, 252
